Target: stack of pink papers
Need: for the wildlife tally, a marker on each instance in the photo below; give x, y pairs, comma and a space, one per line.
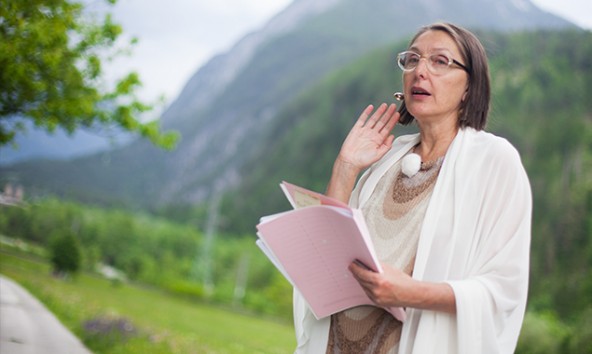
313, 246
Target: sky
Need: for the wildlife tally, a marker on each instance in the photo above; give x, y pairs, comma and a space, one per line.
176, 37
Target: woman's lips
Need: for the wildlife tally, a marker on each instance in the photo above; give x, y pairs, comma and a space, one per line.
418, 91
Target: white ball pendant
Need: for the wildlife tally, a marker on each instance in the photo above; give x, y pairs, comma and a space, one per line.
411, 164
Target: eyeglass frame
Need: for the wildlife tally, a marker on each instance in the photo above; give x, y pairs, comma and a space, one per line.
450, 62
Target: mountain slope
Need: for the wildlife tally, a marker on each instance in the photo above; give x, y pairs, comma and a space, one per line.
223, 108
538, 90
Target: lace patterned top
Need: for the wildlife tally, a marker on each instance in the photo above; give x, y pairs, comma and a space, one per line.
394, 216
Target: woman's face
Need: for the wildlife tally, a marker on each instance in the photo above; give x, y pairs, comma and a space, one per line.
434, 98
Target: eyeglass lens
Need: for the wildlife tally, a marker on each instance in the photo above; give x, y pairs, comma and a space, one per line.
437, 63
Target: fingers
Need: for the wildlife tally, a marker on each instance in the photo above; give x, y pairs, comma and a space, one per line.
361, 272
365, 277
384, 118
364, 116
374, 118
377, 116
392, 120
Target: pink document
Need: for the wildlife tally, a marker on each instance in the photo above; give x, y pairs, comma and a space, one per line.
314, 244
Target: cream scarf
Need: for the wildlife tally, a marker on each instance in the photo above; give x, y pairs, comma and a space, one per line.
475, 236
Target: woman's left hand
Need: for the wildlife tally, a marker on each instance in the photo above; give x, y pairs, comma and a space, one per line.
393, 288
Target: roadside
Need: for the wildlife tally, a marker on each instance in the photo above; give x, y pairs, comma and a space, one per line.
26, 326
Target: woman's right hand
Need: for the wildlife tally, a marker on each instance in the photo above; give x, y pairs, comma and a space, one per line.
370, 138
366, 143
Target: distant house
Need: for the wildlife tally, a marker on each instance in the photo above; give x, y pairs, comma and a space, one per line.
12, 195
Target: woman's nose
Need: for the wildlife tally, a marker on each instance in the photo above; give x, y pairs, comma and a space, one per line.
422, 67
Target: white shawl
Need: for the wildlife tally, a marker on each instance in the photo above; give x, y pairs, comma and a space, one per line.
475, 236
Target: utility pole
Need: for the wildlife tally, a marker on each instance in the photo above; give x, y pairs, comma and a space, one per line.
242, 274
203, 264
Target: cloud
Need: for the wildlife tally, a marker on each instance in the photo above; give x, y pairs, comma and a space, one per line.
577, 11
176, 37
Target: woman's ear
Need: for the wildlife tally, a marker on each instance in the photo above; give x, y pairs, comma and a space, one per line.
464, 96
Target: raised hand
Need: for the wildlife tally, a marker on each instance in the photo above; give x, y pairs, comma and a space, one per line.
370, 138
366, 143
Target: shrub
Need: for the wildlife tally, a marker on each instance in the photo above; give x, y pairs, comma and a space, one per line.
581, 340
542, 333
66, 254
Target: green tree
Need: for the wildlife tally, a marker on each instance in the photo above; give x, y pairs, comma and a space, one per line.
66, 253
51, 56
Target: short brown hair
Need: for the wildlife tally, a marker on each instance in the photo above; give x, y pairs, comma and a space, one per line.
475, 108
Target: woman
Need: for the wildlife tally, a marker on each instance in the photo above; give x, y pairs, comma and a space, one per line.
453, 231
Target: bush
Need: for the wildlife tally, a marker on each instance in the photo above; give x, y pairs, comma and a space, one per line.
66, 254
542, 333
581, 340
186, 289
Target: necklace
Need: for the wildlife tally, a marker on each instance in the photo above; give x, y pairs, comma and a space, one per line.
407, 187
412, 163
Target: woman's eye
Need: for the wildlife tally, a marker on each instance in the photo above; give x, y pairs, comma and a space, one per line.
440, 60
412, 59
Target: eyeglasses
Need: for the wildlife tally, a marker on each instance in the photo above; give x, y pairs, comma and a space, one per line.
438, 64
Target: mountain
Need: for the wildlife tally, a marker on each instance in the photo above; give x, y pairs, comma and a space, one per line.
37, 143
224, 110
540, 86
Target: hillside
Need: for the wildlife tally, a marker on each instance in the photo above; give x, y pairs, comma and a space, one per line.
221, 110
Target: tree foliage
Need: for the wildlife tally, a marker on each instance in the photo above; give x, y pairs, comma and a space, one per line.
153, 251
51, 72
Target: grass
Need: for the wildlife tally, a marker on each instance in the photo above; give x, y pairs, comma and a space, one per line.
161, 323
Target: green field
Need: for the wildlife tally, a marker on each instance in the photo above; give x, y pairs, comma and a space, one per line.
159, 322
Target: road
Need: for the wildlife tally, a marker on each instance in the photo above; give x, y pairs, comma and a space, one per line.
27, 327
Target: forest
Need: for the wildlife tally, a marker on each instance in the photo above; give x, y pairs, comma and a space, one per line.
541, 103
